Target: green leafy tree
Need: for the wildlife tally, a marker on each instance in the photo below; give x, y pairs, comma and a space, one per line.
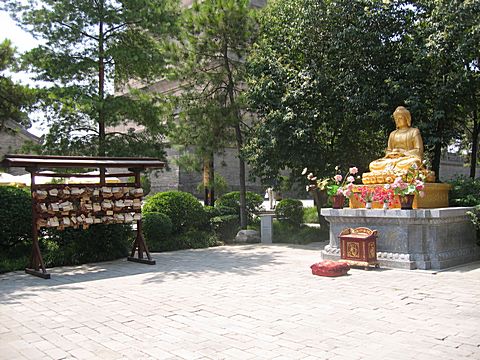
322, 81
85, 46
15, 99
217, 36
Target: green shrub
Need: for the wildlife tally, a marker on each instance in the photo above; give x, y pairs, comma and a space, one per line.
226, 227
15, 217
79, 246
290, 211
465, 191
231, 201
183, 209
310, 215
157, 227
191, 239
474, 216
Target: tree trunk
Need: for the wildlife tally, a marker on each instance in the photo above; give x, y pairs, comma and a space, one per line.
243, 188
320, 200
239, 138
101, 88
475, 140
208, 181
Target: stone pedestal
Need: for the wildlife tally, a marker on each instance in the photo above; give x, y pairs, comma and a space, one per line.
266, 227
410, 239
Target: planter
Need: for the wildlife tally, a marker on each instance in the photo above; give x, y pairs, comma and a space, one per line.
406, 201
368, 205
338, 201
385, 206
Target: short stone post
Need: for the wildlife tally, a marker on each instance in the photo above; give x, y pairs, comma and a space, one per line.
266, 227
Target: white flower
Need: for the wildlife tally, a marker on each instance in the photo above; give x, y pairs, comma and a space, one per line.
304, 171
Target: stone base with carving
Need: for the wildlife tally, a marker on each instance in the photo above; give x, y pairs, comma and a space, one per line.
410, 239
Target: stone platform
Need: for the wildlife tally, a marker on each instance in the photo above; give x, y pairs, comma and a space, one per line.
410, 239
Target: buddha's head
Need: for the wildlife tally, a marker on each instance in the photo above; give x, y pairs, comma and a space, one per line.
401, 115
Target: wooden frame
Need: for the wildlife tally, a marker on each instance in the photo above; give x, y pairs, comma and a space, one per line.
35, 164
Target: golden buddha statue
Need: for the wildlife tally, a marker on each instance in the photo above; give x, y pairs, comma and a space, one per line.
405, 148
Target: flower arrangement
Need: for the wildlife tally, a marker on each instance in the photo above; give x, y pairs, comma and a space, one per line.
364, 194
409, 183
383, 194
336, 185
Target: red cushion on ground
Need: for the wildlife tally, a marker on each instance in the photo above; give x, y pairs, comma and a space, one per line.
330, 268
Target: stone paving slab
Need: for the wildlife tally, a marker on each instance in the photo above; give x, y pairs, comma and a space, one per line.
239, 302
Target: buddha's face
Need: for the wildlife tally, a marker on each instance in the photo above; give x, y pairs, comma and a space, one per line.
401, 121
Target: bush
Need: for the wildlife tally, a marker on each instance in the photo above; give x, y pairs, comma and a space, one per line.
231, 201
290, 211
183, 209
157, 227
15, 217
191, 239
465, 191
79, 246
226, 227
310, 215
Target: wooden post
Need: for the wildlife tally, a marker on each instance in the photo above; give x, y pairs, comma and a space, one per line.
139, 245
36, 261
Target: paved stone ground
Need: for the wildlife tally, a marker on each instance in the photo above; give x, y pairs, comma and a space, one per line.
239, 302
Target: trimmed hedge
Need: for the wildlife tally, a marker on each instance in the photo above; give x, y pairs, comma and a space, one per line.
290, 211
15, 217
230, 204
78, 246
157, 227
183, 209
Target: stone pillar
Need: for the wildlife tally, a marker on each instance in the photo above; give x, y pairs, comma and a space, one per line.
266, 228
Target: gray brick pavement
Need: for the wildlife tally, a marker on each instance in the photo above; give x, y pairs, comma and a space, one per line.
240, 302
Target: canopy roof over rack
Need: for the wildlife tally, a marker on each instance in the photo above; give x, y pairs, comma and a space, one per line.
47, 162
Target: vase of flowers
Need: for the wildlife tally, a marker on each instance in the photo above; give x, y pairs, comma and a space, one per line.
407, 185
337, 187
384, 195
365, 195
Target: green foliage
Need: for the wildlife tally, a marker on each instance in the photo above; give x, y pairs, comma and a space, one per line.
318, 107
290, 211
465, 192
226, 227
285, 233
182, 208
157, 227
15, 99
79, 246
15, 217
85, 47
217, 35
219, 184
310, 215
231, 201
191, 239
474, 216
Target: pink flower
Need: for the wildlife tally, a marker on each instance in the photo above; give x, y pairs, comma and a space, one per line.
348, 193
338, 178
339, 191
419, 185
421, 193
353, 170
350, 186
350, 179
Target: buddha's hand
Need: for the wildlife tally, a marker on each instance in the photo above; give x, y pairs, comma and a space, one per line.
395, 153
